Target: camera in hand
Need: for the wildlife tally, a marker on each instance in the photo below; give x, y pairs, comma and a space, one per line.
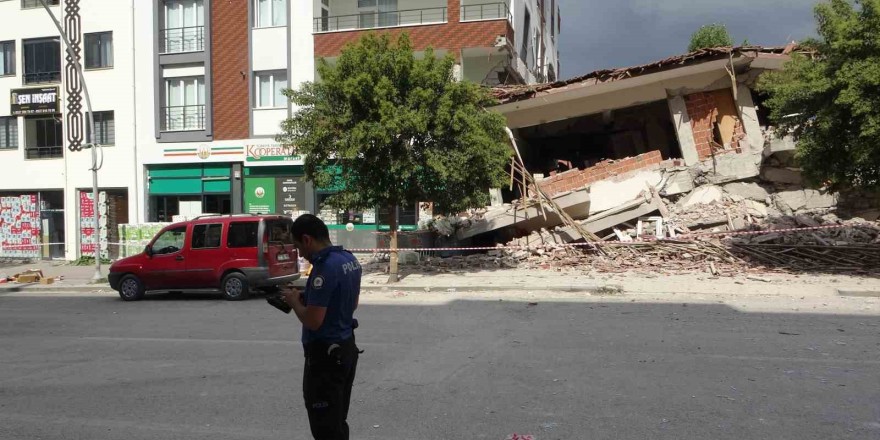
278, 302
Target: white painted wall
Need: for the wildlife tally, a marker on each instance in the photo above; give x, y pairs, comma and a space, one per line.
110, 89
267, 122
269, 49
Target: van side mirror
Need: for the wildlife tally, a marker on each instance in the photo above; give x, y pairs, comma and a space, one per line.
148, 250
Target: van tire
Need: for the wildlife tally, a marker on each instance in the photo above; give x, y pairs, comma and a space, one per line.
131, 288
234, 286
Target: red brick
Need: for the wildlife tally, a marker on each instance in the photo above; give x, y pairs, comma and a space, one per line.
229, 52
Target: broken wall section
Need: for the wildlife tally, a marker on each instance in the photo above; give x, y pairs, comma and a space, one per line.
715, 122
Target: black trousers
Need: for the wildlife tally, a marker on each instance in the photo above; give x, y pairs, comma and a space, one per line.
327, 380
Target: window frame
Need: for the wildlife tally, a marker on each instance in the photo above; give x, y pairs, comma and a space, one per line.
258, 104
24, 51
254, 224
257, 22
99, 36
102, 116
208, 227
58, 135
182, 244
10, 59
9, 121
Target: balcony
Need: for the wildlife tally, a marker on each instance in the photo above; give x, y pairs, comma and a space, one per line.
55, 152
488, 11
181, 40
183, 118
375, 20
31, 4
42, 77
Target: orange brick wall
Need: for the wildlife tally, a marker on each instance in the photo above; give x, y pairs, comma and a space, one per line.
452, 36
229, 58
703, 111
575, 179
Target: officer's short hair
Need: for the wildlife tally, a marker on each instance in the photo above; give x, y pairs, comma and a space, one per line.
308, 224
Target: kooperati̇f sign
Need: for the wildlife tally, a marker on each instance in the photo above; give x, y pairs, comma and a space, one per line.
34, 101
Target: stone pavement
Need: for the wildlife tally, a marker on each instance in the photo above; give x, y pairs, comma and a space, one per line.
79, 279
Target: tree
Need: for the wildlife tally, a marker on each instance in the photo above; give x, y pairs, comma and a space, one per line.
389, 129
712, 35
829, 98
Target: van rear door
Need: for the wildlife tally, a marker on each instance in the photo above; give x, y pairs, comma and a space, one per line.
279, 253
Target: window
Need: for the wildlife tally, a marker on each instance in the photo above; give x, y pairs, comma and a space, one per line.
184, 26
270, 88
105, 128
268, 13
553, 19
99, 50
44, 137
30, 4
242, 235
8, 133
280, 231
184, 104
325, 15
7, 58
170, 241
206, 236
380, 13
527, 36
42, 60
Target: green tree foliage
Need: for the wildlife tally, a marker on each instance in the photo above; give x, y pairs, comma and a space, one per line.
830, 102
712, 35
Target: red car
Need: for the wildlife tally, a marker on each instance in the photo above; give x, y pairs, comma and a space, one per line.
231, 252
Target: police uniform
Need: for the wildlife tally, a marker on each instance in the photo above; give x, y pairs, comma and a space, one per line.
330, 352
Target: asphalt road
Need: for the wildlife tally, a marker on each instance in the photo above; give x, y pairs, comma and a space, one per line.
197, 367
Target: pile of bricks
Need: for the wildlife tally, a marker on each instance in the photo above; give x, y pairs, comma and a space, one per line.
575, 179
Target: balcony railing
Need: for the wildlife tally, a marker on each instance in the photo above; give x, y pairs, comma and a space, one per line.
183, 118
30, 4
488, 11
372, 20
44, 152
41, 77
184, 39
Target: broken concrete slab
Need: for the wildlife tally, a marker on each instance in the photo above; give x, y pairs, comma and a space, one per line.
627, 212
575, 203
756, 209
607, 194
703, 195
776, 144
677, 182
731, 167
790, 201
819, 200
782, 175
748, 191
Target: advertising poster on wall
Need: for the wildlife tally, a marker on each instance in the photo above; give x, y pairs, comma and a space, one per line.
290, 195
19, 227
87, 224
259, 195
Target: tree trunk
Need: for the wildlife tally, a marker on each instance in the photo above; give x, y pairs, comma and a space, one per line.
393, 273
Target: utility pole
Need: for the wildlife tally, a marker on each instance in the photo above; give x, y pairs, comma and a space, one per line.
91, 139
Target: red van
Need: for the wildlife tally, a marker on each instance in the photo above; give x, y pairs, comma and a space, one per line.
234, 253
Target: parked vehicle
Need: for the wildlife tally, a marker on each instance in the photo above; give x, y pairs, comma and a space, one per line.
233, 253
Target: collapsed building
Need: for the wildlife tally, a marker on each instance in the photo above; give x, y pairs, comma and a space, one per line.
667, 148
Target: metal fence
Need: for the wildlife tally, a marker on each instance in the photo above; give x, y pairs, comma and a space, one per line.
184, 39
371, 20
183, 117
488, 11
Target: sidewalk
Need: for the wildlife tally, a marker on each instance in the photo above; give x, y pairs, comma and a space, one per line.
79, 279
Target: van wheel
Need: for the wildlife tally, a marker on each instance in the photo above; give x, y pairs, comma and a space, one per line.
131, 288
234, 286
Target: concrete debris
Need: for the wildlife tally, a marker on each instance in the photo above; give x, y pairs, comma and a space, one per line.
755, 209
703, 195
730, 168
782, 175
677, 182
750, 191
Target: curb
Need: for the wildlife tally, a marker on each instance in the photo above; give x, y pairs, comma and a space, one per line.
604, 289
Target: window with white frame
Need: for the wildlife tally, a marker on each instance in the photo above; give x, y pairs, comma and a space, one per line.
270, 89
184, 104
184, 26
381, 13
105, 128
8, 133
7, 58
269, 13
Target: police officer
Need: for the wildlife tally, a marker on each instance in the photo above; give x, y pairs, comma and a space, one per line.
326, 311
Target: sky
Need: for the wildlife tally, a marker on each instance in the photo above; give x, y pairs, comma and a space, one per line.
600, 34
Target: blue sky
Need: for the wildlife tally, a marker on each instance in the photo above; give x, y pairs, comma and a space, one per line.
598, 34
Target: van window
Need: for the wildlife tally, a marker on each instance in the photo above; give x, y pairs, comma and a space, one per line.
242, 235
280, 231
207, 236
170, 241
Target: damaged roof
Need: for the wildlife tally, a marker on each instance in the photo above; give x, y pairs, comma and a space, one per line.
507, 94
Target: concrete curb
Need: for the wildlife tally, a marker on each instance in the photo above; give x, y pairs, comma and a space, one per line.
596, 289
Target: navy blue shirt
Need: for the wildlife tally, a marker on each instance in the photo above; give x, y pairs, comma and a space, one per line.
335, 283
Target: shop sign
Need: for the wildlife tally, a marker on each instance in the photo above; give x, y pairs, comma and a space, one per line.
290, 195
271, 153
259, 195
34, 101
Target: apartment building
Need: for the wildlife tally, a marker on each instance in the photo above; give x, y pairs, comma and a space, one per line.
46, 200
209, 83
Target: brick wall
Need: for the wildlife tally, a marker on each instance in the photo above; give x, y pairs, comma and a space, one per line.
575, 179
452, 36
229, 58
703, 111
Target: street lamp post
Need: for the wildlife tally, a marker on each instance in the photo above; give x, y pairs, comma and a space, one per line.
90, 141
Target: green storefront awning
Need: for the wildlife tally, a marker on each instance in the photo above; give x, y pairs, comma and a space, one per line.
190, 179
